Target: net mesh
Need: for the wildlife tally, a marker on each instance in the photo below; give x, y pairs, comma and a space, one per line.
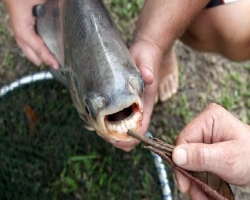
47, 154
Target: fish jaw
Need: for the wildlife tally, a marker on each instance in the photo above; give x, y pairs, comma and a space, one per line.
115, 125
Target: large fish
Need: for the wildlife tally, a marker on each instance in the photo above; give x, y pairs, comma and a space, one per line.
105, 85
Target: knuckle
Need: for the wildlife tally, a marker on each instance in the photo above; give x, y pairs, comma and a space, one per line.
213, 113
205, 156
202, 158
212, 107
38, 50
33, 59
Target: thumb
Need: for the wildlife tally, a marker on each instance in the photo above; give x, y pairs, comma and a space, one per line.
217, 158
147, 58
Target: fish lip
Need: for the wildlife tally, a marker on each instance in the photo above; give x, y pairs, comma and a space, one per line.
117, 130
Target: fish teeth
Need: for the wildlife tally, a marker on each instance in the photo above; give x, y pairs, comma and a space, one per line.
129, 124
119, 129
125, 124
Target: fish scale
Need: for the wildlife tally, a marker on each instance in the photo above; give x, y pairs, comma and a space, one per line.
105, 85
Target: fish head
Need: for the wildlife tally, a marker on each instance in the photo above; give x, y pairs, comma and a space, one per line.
104, 83
114, 110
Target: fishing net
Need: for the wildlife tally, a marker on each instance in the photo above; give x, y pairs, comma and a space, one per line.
47, 154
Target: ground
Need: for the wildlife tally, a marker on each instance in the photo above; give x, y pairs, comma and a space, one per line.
204, 78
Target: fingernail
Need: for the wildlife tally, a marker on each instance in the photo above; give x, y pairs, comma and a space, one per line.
180, 157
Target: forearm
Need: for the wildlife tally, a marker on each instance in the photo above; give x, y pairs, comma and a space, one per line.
162, 21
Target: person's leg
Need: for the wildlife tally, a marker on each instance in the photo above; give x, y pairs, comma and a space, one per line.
223, 29
168, 75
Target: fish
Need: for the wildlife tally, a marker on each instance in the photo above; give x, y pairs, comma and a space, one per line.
96, 66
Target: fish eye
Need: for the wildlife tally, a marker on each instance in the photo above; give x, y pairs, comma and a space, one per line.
87, 110
90, 108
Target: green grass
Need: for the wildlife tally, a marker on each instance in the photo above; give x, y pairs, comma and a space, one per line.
235, 93
9, 60
124, 14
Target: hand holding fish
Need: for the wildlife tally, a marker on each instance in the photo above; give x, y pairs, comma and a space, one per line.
146, 56
153, 39
217, 142
23, 24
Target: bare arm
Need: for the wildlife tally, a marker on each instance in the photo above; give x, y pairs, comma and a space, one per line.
163, 21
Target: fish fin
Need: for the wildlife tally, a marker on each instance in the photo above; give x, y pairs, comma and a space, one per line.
59, 75
88, 127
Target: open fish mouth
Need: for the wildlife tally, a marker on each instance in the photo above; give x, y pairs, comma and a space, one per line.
118, 123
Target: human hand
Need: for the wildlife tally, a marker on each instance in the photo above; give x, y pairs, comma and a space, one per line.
147, 57
160, 23
23, 25
217, 142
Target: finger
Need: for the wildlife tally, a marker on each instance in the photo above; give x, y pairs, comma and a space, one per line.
198, 130
216, 158
147, 58
149, 100
32, 56
182, 181
127, 149
41, 50
214, 124
127, 146
49, 59
196, 193
35, 50
144, 64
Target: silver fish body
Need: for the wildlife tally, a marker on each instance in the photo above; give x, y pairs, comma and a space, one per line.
95, 64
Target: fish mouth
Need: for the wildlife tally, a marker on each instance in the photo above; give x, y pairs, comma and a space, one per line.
118, 123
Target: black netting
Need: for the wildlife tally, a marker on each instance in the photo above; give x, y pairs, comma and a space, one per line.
45, 153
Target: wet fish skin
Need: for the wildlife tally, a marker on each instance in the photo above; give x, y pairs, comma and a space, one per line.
95, 64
